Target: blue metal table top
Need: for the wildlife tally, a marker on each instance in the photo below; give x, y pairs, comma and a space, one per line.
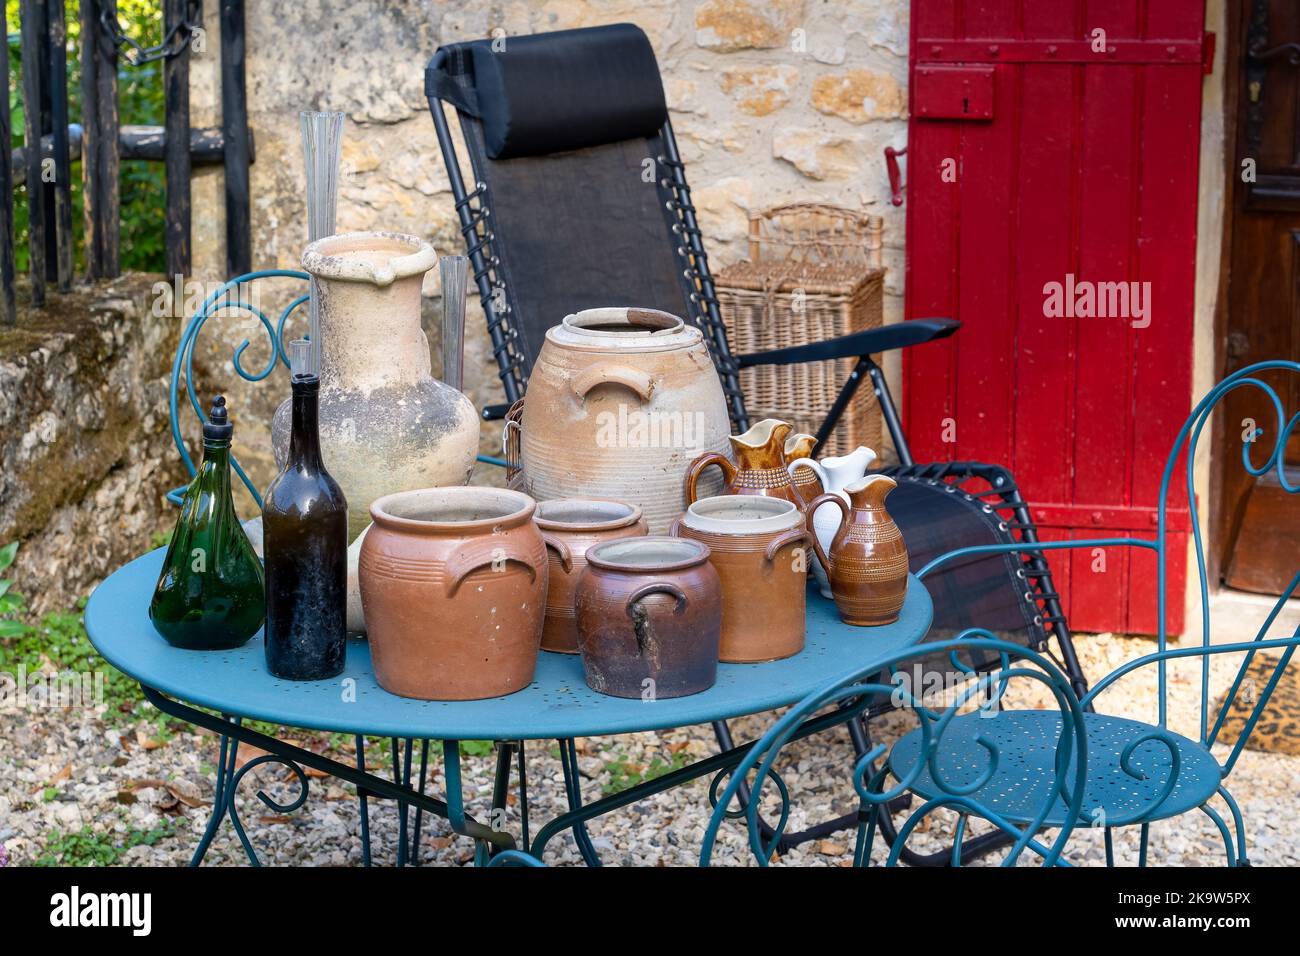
557, 704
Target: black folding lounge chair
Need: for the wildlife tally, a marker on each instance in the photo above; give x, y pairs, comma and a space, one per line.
565, 134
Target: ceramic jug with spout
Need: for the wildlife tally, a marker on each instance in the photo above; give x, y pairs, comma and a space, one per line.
761, 466
867, 559
834, 473
799, 447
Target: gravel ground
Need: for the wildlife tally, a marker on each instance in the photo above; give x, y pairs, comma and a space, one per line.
76, 788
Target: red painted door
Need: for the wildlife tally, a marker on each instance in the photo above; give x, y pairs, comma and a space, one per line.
1052, 173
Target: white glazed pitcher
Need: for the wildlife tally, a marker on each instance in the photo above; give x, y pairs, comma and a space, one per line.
834, 472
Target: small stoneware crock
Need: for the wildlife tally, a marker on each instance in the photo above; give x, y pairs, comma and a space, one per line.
761, 551
453, 585
867, 559
569, 527
649, 614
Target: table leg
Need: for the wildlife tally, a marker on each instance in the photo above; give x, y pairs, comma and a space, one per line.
295, 758
227, 753
573, 792
363, 798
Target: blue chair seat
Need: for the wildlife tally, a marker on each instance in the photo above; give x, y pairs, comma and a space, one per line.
1026, 749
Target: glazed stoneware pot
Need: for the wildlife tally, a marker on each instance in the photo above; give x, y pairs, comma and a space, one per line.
386, 424
761, 467
834, 473
649, 616
569, 527
867, 559
453, 584
799, 448
760, 549
619, 403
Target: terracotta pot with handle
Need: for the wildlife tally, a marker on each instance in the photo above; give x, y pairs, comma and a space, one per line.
761, 551
649, 618
619, 403
867, 559
569, 527
453, 585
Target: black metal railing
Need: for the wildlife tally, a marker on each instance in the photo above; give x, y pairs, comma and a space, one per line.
52, 144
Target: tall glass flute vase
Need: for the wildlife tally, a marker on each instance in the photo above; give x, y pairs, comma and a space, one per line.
455, 276
322, 141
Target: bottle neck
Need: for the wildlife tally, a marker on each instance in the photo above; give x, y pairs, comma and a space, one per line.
216, 467
304, 440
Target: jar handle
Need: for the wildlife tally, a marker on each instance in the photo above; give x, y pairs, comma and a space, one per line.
698, 466
561, 551
816, 466
808, 522
675, 529
781, 540
601, 373
473, 555
656, 587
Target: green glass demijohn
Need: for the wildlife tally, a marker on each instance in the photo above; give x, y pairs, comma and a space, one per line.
210, 594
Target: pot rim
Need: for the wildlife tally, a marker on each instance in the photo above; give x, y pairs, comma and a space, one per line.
632, 516
692, 553
573, 332
327, 258
784, 515
521, 513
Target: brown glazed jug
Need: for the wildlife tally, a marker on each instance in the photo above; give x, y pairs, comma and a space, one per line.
807, 482
569, 527
761, 468
453, 585
867, 562
649, 618
759, 548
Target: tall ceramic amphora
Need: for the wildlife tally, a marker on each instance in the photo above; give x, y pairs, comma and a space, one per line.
834, 473
386, 424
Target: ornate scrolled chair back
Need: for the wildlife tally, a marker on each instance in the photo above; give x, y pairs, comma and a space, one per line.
227, 300
857, 691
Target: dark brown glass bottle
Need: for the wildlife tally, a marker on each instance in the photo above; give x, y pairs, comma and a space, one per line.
305, 548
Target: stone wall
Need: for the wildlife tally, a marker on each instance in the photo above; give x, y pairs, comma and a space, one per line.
84, 439
773, 101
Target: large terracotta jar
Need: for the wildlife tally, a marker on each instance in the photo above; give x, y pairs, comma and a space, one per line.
649, 618
453, 584
760, 549
761, 467
386, 424
569, 527
867, 560
620, 401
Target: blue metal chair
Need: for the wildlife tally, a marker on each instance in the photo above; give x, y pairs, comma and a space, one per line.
1138, 773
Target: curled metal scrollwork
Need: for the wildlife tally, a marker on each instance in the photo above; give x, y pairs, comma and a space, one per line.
298, 801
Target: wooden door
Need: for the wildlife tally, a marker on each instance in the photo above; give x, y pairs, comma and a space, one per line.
1258, 524
1055, 143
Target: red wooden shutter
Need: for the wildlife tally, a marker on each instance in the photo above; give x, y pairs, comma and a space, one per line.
1083, 164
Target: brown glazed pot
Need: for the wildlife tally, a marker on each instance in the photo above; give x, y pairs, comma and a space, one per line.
758, 546
806, 481
453, 584
569, 527
867, 563
761, 468
649, 618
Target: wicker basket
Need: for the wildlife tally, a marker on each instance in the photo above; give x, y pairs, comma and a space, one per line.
813, 274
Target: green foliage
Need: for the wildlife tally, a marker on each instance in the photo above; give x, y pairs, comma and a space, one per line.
85, 847
623, 773
60, 641
140, 101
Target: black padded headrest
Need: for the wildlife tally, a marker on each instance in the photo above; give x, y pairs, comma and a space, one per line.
552, 92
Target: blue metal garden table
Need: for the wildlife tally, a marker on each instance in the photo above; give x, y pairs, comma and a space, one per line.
557, 705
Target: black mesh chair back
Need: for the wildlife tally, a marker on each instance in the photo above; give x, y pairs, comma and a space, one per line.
579, 197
